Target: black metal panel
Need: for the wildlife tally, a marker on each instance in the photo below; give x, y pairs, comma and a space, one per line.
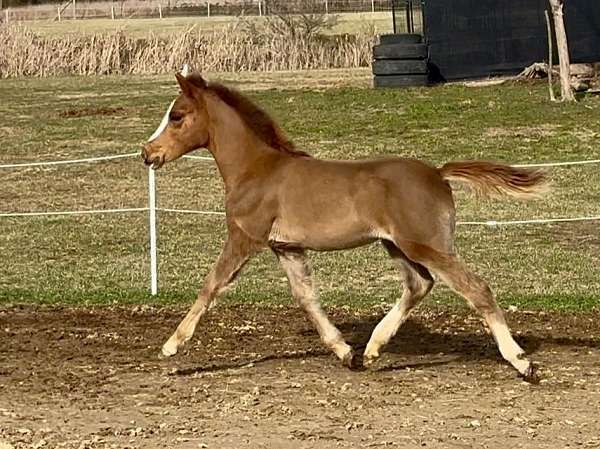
582, 19
472, 38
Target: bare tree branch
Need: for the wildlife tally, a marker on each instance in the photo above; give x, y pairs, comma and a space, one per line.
563, 50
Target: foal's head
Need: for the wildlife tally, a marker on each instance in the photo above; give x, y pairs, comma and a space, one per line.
187, 126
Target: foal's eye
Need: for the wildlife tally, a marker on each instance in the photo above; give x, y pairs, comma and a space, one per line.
176, 117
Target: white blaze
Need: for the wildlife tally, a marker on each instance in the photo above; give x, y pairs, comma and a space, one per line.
165, 121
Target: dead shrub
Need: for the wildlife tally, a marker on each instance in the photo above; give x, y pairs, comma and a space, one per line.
24, 53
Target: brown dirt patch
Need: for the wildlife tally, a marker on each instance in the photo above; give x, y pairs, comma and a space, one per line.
86, 112
259, 378
545, 130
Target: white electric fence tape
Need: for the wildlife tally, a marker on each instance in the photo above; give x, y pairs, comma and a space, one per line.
204, 212
199, 212
518, 222
72, 161
75, 212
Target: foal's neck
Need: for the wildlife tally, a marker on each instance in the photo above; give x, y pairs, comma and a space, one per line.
238, 152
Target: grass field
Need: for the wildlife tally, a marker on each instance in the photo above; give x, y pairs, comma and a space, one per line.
351, 23
104, 259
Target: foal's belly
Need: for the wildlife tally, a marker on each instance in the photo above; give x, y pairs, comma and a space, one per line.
320, 236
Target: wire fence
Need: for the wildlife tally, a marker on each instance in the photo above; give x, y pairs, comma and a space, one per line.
131, 9
152, 209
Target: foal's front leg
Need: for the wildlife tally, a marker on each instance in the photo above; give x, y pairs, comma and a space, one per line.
233, 257
298, 273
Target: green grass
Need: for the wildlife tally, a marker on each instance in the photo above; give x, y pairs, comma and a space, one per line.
350, 23
104, 259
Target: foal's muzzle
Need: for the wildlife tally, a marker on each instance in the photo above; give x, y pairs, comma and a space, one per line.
156, 161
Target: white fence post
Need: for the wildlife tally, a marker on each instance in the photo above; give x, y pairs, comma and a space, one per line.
373, 6
152, 198
152, 216
159, 10
6, 13
207, 8
260, 8
74, 9
112, 11
326, 7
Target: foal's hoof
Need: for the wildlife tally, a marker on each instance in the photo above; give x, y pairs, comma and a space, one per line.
370, 362
168, 350
531, 374
353, 361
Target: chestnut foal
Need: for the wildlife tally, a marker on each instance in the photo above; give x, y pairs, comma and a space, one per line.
281, 198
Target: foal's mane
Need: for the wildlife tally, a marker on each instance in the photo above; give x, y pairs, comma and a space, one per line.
255, 118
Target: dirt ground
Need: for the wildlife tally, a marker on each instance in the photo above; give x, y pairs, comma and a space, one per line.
258, 377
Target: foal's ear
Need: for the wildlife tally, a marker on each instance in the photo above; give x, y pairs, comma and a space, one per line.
190, 86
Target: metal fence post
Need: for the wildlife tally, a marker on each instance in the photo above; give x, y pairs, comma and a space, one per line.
152, 217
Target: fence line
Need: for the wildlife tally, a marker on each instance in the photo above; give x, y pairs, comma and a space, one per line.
204, 158
187, 211
218, 213
486, 223
557, 164
153, 209
72, 161
518, 222
74, 212
194, 8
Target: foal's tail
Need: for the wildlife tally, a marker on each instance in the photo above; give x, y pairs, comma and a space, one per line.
492, 179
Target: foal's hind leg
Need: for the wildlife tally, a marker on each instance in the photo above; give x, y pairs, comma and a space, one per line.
417, 283
474, 289
298, 273
234, 255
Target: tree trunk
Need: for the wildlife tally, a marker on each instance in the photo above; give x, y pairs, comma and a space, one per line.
563, 50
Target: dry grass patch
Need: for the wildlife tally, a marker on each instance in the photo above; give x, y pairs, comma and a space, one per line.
24, 53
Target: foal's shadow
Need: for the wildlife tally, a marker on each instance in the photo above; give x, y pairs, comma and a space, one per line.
415, 346
248, 363
416, 340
